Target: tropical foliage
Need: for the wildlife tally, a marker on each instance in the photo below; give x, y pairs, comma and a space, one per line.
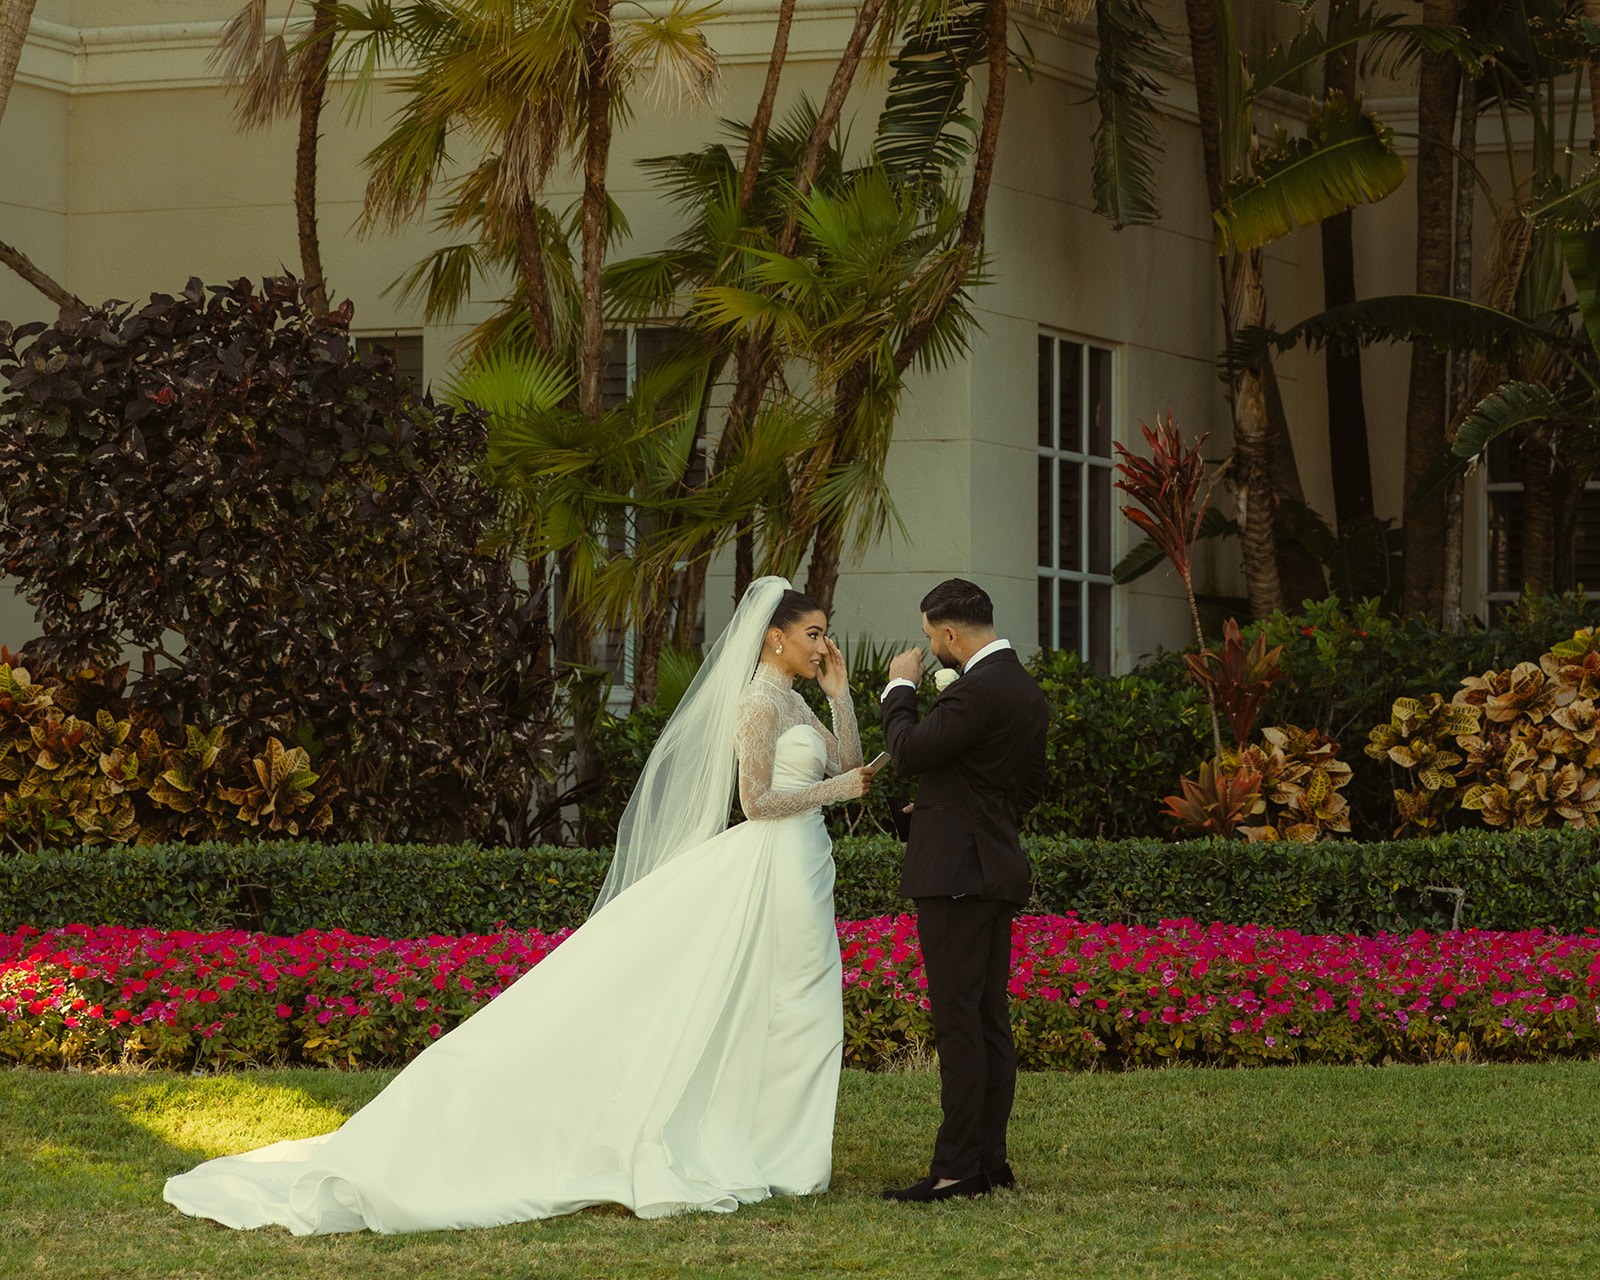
290, 536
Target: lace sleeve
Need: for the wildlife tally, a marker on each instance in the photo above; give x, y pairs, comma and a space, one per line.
755, 742
844, 742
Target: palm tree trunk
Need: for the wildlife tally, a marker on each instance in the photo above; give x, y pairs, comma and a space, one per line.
1251, 484
822, 579
1202, 24
1425, 524
691, 590
313, 89
1349, 455
530, 261
652, 635
1460, 362
1244, 303
596, 154
761, 124
597, 57
997, 29
15, 15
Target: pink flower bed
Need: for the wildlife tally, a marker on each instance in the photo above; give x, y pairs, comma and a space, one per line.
1083, 994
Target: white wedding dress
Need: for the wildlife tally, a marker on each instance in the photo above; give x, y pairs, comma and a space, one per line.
679, 1051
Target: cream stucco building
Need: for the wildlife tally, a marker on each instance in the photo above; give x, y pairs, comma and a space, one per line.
121, 174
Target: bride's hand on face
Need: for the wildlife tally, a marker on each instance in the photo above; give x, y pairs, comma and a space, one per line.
833, 679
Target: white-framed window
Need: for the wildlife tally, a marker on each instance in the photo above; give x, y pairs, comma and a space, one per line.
1077, 395
407, 349
1502, 535
631, 351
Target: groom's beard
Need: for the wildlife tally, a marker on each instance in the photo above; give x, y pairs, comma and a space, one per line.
946, 658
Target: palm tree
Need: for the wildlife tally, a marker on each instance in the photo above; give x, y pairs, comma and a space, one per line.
1534, 373
1257, 193
524, 83
272, 78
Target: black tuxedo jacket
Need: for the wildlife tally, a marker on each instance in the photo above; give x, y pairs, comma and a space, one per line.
980, 758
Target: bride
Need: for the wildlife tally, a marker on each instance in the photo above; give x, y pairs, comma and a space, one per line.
679, 1051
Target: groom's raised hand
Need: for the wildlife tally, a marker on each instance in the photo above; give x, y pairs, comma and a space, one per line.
906, 666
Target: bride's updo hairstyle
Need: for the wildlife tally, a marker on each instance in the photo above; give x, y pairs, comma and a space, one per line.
794, 606
955, 602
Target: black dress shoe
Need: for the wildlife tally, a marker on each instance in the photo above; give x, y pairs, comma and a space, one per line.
925, 1192
1001, 1177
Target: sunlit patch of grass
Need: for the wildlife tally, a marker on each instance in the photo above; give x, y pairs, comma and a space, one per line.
226, 1114
1403, 1174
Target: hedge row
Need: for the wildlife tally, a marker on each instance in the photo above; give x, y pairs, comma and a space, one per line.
1518, 880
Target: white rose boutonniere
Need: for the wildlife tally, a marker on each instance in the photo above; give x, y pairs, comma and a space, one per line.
944, 677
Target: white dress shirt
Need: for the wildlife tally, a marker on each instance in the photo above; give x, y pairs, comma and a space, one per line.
994, 646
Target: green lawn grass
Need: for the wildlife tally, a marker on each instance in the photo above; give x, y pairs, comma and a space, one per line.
1478, 1171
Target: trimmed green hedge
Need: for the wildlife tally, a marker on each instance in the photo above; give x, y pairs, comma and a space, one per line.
1523, 880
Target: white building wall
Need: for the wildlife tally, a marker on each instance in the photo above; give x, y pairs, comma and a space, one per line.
123, 175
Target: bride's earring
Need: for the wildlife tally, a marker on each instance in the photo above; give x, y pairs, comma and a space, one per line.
780, 648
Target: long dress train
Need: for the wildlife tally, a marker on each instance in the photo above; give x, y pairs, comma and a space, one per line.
679, 1051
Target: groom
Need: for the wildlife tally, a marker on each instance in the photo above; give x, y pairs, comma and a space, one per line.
980, 758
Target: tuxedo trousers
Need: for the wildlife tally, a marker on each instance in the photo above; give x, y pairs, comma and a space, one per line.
966, 956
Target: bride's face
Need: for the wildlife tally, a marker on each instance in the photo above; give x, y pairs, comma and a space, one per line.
803, 643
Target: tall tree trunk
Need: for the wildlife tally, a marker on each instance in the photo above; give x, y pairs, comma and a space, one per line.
1460, 362
997, 30
597, 57
1202, 23
1251, 470
744, 558
1349, 456
15, 15
1244, 303
1426, 523
652, 636
691, 591
754, 362
761, 124
313, 89
530, 262
822, 579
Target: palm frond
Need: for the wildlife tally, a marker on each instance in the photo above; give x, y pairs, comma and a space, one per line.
1345, 157
1133, 47
924, 130
1517, 404
1455, 324
1569, 208
256, 67
673, 50
510, 385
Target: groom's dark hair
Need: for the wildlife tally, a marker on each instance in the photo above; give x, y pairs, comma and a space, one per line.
959, 603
